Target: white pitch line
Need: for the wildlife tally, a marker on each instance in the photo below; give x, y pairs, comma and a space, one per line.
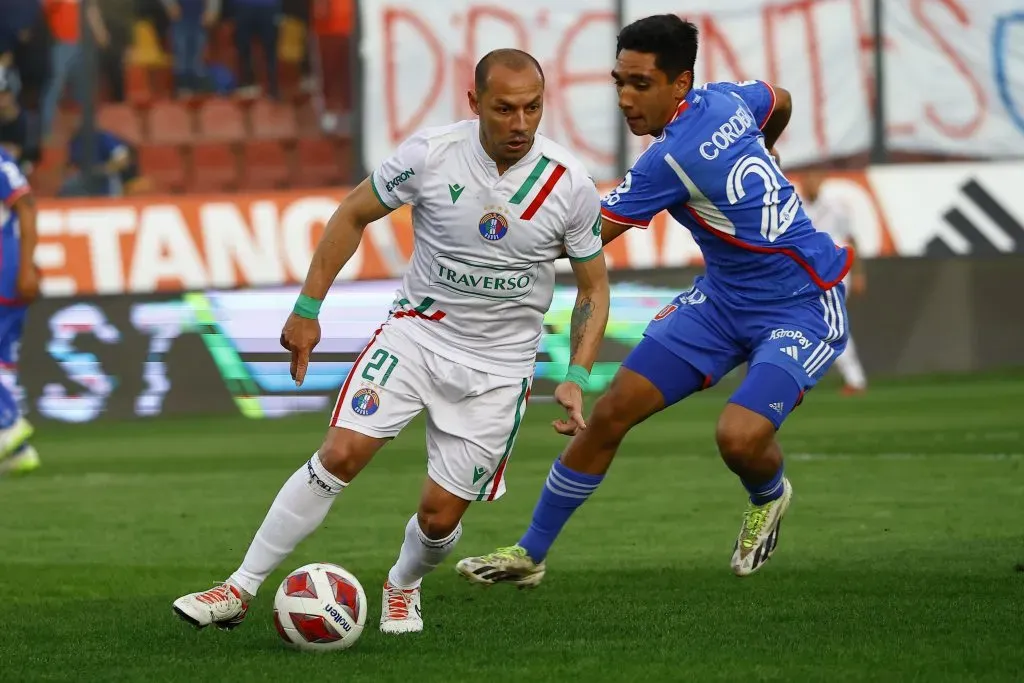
902, 456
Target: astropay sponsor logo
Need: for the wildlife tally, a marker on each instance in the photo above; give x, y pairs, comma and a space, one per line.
795, 335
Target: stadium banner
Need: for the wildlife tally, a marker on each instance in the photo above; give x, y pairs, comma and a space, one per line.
175, 244
217, 352
966, 78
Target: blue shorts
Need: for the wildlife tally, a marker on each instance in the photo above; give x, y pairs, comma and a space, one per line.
713, 335
12, 320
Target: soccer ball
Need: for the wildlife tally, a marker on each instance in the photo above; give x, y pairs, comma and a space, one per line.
320, 607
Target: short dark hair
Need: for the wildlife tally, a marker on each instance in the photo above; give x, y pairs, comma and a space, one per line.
511, 58
671, 40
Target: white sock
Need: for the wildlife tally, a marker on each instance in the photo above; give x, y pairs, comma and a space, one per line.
300, 507
850, 368
420, 555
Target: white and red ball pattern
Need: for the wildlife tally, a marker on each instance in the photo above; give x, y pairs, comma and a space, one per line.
320, 607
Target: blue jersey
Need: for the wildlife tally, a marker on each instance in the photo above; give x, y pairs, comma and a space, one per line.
13, 186
711, 171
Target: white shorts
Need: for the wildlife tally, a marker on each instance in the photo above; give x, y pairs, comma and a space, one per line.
472, 416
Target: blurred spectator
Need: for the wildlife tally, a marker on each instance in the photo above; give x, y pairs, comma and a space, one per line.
154, 12
118, 16
333, 17
17, 18
831, 212
13, 122
332, 24
66, 53
190, 20
31, 49
301, 11
257, 19
116, 160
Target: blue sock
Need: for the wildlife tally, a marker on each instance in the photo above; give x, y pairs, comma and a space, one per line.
8, 407
564, 491
766, 492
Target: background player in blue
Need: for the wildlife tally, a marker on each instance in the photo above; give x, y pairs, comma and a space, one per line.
19, 286
771, 296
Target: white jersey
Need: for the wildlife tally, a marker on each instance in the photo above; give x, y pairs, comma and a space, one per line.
829, 212
482, 273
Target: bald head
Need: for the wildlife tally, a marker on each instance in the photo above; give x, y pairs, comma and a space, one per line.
510, 58
509, 99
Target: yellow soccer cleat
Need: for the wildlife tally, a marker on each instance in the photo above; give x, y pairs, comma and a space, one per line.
759, 533
24, 460
504, 565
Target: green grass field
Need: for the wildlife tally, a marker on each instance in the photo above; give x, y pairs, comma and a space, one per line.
900, 559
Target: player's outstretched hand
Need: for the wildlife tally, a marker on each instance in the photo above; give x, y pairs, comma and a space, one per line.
570, 396
300, 335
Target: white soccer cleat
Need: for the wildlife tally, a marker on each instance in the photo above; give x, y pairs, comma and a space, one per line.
759, 533
400, 612
505, 565
224, 606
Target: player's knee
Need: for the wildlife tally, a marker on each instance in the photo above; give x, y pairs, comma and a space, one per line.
440, 511
741, 436
345, 453
437, 523
734, 443
337, 459
610, 421
630, 400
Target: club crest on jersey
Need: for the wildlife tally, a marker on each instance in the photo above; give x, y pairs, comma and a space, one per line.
365, 402
493, 226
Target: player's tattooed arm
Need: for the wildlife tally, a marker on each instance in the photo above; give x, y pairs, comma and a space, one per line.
590, 314
581, 316
341, 237
779, 118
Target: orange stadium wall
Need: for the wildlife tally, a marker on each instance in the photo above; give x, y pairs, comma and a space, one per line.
177, 243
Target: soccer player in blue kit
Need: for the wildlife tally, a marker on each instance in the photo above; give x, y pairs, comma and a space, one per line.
19, 286
772, 293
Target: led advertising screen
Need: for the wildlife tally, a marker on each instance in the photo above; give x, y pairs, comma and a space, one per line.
218, 351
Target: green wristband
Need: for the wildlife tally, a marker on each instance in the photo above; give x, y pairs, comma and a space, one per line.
307, 307
579, 376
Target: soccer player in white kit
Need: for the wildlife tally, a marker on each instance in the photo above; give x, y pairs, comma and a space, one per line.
494, 205
830, 212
